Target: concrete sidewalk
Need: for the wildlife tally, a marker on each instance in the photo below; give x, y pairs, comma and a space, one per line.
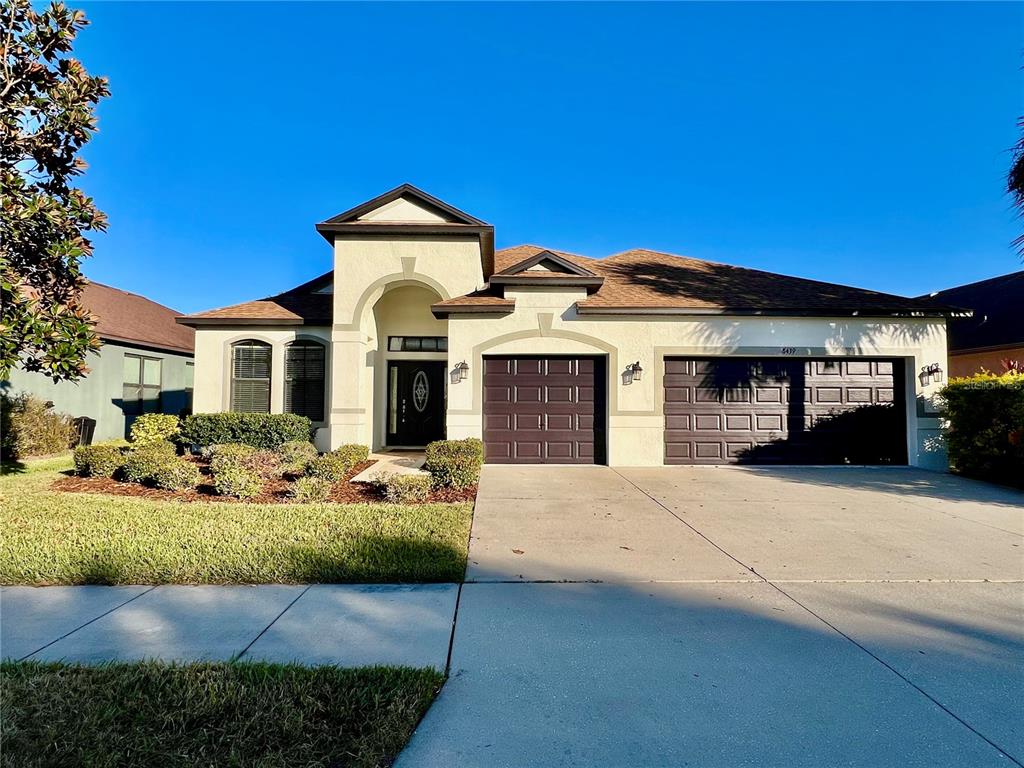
342, 624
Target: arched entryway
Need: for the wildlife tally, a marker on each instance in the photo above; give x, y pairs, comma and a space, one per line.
410, 367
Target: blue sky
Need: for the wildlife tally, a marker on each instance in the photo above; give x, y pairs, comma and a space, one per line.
857, 143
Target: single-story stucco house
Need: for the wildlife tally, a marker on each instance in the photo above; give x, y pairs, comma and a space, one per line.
992, 331
422, 330
143, 366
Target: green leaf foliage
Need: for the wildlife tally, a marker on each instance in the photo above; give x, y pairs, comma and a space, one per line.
143, 462
100, 459
260, 430
406, 489
311, 490
335, 465
985, 438
47, 114
296, 456
29, 427
455, 463
178, 475
154, 427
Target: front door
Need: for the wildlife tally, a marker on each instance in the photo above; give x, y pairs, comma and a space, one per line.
416, 395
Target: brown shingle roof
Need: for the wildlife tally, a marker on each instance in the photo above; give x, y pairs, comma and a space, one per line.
124, 316
641, 279
478, 301
301, 305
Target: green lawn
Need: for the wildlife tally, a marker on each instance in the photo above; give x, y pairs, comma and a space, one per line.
241, 714
61, 538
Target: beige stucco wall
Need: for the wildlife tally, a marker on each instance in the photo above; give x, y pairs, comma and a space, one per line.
545, 323
212, 389
365, 269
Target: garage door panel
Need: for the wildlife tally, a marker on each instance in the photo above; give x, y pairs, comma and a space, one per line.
848, 411
554, 407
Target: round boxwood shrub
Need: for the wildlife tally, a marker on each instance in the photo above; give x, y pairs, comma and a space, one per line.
295, 456
455, 463
311, 490
100, 459
142, 462
233, 479
335, 465
178, 475
153, 427
405, 489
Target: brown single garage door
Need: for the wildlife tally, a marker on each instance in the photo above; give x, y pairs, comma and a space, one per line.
544, 410
784, 411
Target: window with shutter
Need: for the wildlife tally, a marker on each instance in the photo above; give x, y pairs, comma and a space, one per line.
305, 369
250, 377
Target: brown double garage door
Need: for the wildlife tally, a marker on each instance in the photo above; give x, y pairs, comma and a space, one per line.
782, 410
544, 410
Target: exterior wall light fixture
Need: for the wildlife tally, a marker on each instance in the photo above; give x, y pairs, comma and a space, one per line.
460, 372
930, 374
633, 372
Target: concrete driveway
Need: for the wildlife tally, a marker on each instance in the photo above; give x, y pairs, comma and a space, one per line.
707, 616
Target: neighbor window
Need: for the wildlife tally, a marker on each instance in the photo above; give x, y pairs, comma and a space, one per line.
304, 374
250, 377
140, 391
417, 343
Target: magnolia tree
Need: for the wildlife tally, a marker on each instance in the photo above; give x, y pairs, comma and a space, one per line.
47, 114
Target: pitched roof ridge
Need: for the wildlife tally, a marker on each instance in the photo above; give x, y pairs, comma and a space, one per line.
129, 293
765, 272
1009, 276
545, 248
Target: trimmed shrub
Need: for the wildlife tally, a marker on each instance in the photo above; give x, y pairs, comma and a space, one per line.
30, 428
100, 459
177, 476
237, 480
260, 430
264, 463
455, 463
153, 427
311, 489
295, 456
405, 489
335, 465
143, 462
985, 438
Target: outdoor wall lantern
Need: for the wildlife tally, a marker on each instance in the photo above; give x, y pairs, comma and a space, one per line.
633, 372
460, 372
930, 373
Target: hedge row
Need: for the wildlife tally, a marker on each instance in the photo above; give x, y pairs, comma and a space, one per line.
985, 438
260, 430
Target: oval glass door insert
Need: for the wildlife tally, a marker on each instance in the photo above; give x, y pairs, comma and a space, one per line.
420, 391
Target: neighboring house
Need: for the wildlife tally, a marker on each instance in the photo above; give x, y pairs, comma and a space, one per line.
422, 330
995, 331
143, 366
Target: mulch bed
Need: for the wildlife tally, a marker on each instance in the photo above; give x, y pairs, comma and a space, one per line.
274, 491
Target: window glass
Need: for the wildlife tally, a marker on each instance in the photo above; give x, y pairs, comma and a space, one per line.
305, 373
250, 379
190, 376
131, 369
418, 344
151, 372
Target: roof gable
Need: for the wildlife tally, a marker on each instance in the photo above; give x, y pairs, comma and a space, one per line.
546, 261
405, 201
121, 316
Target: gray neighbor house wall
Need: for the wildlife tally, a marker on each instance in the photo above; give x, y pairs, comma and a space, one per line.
99, 395
126, 324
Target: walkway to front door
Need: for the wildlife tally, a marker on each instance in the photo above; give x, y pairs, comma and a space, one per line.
416, 402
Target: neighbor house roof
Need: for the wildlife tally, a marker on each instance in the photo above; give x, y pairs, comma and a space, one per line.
305, 304
996, 322
645, 281
128, 317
